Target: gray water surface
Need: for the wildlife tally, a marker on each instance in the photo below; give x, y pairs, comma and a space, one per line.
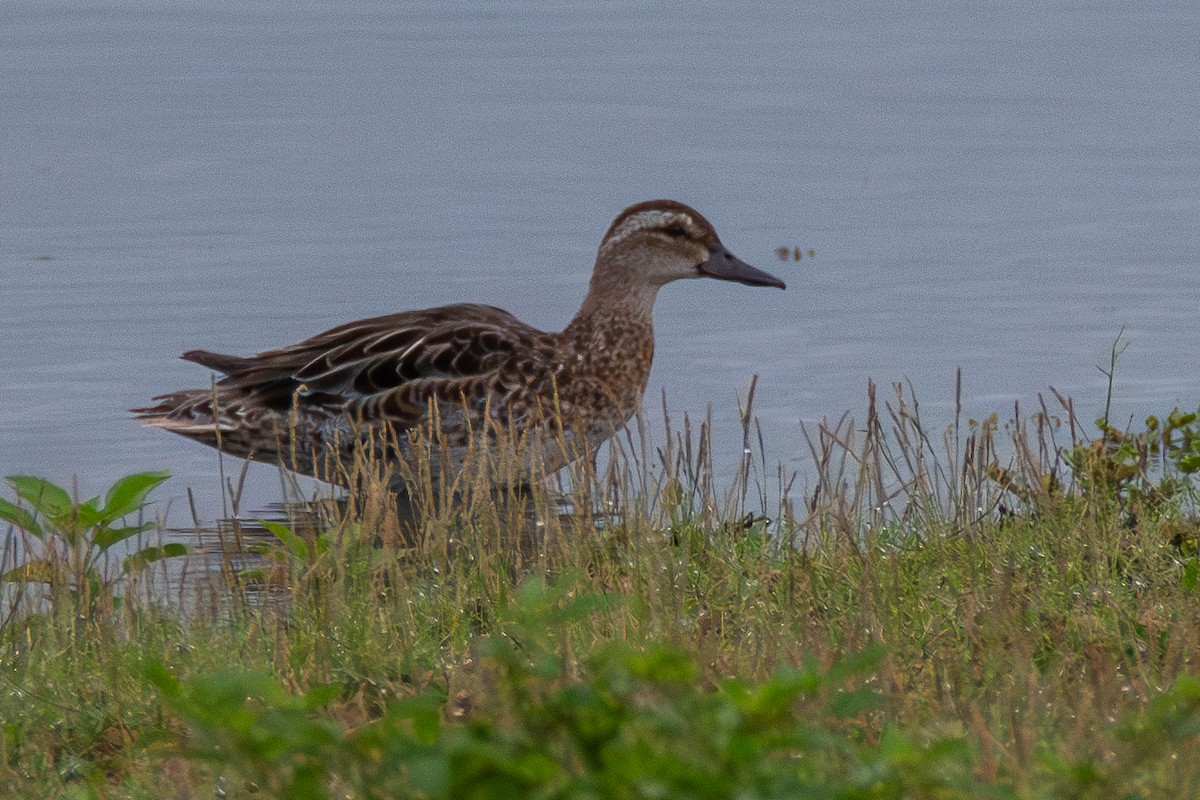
997, 188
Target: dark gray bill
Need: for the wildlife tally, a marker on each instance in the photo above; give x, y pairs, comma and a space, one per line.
728, 267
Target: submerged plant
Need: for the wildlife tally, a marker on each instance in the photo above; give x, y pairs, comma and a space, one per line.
68, 543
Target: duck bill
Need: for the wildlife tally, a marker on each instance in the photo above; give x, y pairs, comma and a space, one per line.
725, 266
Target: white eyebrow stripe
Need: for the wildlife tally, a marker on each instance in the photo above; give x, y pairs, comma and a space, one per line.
649, 218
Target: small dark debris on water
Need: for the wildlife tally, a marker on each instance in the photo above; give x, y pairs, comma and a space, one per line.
794, 253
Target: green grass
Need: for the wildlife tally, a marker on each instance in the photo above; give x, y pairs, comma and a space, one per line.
990, 610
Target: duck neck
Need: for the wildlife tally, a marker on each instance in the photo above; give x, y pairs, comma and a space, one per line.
606, 352
616, 318
611, 293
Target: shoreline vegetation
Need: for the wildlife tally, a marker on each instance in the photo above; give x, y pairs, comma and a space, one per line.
996, 609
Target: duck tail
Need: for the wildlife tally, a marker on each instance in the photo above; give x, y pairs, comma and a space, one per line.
189, 413
218, 362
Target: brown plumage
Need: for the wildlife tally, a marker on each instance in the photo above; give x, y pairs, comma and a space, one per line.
462, 372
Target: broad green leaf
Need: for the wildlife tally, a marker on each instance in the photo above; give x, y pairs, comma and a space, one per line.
322, 695
161, 678
129, 493
857, 664
296, 545
48, 499
845, 705
88, 514
96, 586
107, 537
252, 575
14, 514
148, 555
424, 712
37, 571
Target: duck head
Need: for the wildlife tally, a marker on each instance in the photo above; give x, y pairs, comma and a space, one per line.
659, 241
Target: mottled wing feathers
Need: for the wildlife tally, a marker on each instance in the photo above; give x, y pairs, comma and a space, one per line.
386, 366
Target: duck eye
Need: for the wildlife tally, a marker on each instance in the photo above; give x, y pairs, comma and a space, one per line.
675, 230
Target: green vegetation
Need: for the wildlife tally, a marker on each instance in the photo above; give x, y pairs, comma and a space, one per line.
994, 610
75, 539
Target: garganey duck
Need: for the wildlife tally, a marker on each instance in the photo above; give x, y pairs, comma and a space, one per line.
455, 371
